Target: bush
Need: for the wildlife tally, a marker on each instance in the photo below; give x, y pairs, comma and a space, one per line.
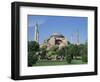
32, 58
68, 58
84, 58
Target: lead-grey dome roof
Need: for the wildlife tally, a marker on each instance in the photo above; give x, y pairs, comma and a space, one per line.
57, 35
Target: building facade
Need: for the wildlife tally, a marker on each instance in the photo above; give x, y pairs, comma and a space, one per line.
56, 39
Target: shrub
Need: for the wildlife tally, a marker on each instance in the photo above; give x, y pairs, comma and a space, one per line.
68, 58
84, 58
32, 58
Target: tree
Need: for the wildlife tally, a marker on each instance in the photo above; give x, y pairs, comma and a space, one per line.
76, 50
43, 51
51, 53
33, 48
68, 42
32, 59
61, 52
84, 53
69, 58
69, 53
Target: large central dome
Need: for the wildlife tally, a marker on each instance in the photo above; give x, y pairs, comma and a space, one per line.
57, 35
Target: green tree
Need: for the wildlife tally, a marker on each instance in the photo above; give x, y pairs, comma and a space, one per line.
61, 52
43, 51
68, 42
84, 53
68, 58
33, 48
51, 53
32, 58
69, 53
76, 50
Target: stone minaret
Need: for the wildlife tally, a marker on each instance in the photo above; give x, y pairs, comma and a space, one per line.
77, 37
36, 37
72, 39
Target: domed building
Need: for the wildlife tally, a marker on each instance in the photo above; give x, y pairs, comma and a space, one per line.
57, 39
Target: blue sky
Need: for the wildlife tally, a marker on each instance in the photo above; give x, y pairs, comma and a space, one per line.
65, 25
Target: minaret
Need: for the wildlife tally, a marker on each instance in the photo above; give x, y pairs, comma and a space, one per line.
36, 37
77, 37
72, 39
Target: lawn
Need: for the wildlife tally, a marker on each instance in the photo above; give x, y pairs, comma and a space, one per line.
56, 62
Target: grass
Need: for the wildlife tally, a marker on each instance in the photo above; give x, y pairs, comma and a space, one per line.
78, 62
56, 62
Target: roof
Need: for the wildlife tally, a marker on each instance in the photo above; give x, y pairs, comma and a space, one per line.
57, 35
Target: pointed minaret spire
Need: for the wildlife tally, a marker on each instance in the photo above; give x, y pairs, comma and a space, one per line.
36, 37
